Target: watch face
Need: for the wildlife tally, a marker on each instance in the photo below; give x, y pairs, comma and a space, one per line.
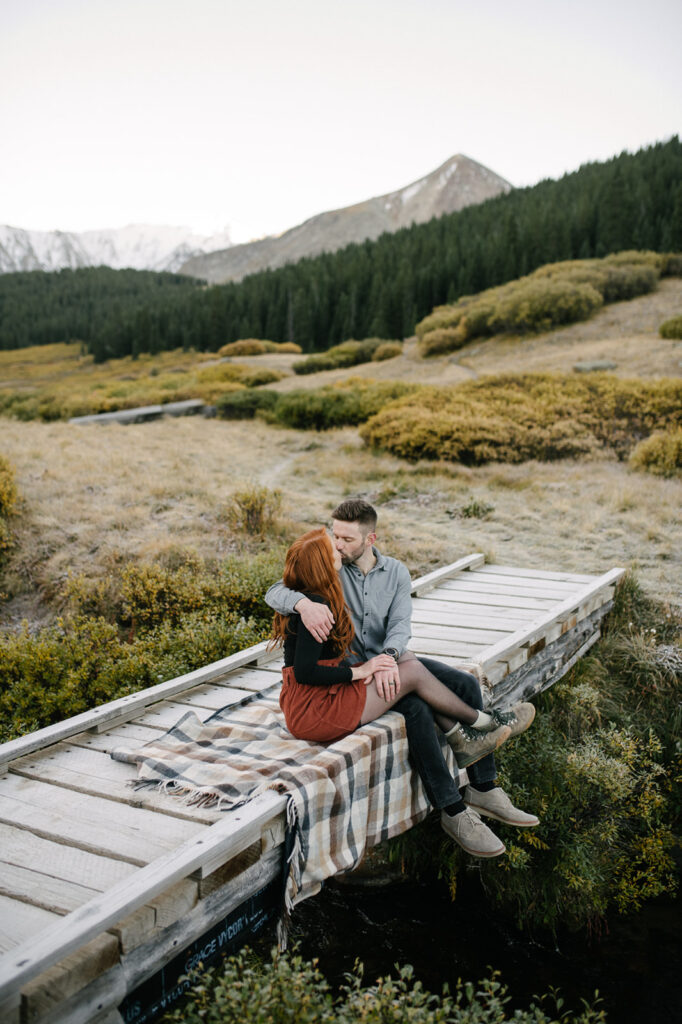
392, 651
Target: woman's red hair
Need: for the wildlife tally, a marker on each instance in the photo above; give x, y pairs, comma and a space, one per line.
309, 567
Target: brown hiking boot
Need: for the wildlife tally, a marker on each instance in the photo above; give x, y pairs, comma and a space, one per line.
470, 745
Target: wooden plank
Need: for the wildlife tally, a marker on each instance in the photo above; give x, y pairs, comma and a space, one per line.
57, 940
472, 597
18, 846
128, 734
455, 632
91, 771
213, 697
475, 615
91, 823
528, 634
424, 583
434, 648
257, 679
531, 583
538, 574
59, 879
168, 713
513, 588
131, 706
20, 922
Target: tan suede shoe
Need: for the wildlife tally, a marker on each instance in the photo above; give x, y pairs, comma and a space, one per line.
467, 829
496, 804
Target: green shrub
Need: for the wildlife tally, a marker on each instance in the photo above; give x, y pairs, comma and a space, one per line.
253, 510
69, 668
660, 454
246, 347
671, 328
243, 405
553, 295
513, 418
442, 340
8, 500
599, 768
289, 990
8, 488
389, 350
263, 375
348, 353
287, 347
346, 405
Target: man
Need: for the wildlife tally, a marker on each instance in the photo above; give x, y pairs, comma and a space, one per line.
377, 590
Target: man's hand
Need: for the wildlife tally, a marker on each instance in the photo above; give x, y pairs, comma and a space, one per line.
317, 618
387, 682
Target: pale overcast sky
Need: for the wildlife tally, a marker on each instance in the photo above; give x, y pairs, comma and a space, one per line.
257, 114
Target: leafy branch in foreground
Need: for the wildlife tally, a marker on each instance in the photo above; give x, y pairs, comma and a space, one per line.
287, 988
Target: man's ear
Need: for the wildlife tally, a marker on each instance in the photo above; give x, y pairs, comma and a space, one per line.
370, 540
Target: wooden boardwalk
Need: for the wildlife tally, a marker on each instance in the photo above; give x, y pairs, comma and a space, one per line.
103, 887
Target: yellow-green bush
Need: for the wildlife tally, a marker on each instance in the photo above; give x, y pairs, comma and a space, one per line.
389, 350
253, 510
599, 768
348, 353
126, 633
515, 417
246, 989
660, 454
345, 404
258, 347
8, 488
288, 347
441, 340
263, 375
246, 347
66, 669
245, 404
671, 328
555, 294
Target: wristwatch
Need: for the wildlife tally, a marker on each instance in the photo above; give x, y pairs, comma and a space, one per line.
393, 652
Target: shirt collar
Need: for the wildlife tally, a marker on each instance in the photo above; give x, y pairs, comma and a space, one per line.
380, 563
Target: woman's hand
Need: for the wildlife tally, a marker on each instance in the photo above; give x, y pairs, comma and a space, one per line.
383, 672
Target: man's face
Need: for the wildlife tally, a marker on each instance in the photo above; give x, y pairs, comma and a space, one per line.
350, 540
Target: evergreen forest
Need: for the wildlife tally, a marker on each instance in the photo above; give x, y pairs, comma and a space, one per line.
377, 288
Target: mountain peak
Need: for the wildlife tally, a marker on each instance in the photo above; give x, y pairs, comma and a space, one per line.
457, 183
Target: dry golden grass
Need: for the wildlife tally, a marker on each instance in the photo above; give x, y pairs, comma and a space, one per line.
94, 498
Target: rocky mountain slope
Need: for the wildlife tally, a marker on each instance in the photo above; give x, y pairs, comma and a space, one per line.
139, 246
457, 183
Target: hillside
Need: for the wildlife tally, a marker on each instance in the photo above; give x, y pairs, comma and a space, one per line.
457, 183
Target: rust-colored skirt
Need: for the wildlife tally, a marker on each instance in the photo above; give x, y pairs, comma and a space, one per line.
321, 713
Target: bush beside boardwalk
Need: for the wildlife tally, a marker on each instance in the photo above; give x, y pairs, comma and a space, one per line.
288, 988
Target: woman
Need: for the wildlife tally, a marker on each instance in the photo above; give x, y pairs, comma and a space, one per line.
324, 698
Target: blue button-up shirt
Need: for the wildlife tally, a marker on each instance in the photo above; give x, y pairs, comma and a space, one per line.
380, 605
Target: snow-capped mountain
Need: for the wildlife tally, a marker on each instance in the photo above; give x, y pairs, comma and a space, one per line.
139, 246
457, 183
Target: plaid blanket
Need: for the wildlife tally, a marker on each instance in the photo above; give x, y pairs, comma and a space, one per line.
344, 797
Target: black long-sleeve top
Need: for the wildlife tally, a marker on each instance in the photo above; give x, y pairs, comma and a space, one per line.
303, 651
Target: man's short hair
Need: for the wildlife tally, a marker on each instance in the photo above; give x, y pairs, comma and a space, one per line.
356, 510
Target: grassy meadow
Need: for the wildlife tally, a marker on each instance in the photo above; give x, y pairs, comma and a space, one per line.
94, 498
131, 554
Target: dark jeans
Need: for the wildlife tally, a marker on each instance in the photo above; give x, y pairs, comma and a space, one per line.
424, 741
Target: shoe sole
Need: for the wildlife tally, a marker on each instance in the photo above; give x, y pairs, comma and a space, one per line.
479, 757
497, 817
